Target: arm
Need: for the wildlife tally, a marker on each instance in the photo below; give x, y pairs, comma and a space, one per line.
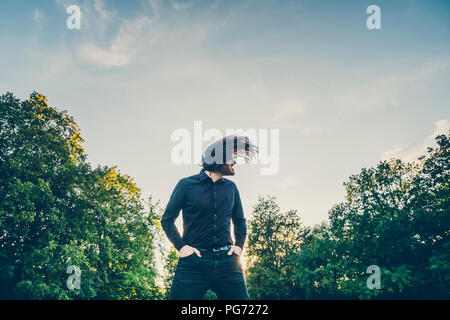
239, 222
171, 214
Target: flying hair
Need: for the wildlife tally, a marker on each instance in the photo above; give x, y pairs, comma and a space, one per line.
228, 148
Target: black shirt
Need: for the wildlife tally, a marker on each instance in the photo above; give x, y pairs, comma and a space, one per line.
207, 208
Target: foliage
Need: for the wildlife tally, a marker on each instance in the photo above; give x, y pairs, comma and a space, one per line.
396, 216
274, 240
170, 265
56, 211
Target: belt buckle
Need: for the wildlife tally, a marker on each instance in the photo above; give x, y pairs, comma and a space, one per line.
221, 248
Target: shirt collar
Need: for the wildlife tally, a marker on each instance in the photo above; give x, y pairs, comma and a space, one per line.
204, 176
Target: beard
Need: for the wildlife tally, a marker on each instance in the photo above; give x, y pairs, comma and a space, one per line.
227, 170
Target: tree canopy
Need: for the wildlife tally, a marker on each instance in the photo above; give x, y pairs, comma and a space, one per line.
56, 211
395, 216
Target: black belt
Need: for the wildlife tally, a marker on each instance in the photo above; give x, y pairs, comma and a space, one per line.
223, 248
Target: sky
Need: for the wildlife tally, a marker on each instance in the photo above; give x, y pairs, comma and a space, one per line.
342, 96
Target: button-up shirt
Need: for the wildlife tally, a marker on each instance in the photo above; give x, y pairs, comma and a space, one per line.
207, 208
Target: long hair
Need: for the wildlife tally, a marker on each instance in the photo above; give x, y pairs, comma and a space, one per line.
228, 148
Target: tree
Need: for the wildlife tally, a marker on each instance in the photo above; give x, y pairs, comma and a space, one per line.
55, 211
274, 239
397, 217
431, 224
373, 227
318, 265
170, 265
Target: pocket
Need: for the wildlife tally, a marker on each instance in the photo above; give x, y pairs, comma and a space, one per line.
192, 254
234, 256
235, 263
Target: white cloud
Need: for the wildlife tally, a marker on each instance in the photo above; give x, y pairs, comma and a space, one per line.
156, 7
429, 69
63, 3
95, 17
54, 65
38, 17
90, 53
122, 48
382, 93
99, 6
386, 92
286, 110
411, 152
181, 5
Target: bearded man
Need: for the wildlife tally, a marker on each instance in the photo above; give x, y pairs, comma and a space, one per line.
208, 257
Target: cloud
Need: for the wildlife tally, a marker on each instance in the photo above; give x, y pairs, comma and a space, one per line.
181, 5
285, 111
429, 69
381, 93
38, 17
53, 65
411, 152
91, 54
121, 49
289, 182
95, 16
386, 92
156, 7
99, 6
63, 3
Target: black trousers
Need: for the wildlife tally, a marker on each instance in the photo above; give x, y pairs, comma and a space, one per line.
214, 270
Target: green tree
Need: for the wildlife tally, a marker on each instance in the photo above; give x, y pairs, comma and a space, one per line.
318, 265
430, 203
373, 227
56, 211
397, 217
274, 240
170, 265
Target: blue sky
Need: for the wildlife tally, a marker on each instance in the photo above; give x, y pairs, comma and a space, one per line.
344, 97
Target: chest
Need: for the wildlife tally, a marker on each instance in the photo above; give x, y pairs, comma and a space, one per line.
210, 196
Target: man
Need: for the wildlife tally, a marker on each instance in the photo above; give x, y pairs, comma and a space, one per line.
208, 258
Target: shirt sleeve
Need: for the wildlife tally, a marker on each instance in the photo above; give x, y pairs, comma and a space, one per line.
239, 222
171, 213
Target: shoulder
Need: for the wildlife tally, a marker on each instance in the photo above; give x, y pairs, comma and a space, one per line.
230, 183
186, 181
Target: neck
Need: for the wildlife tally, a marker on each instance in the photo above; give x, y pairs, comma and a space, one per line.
214, 175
